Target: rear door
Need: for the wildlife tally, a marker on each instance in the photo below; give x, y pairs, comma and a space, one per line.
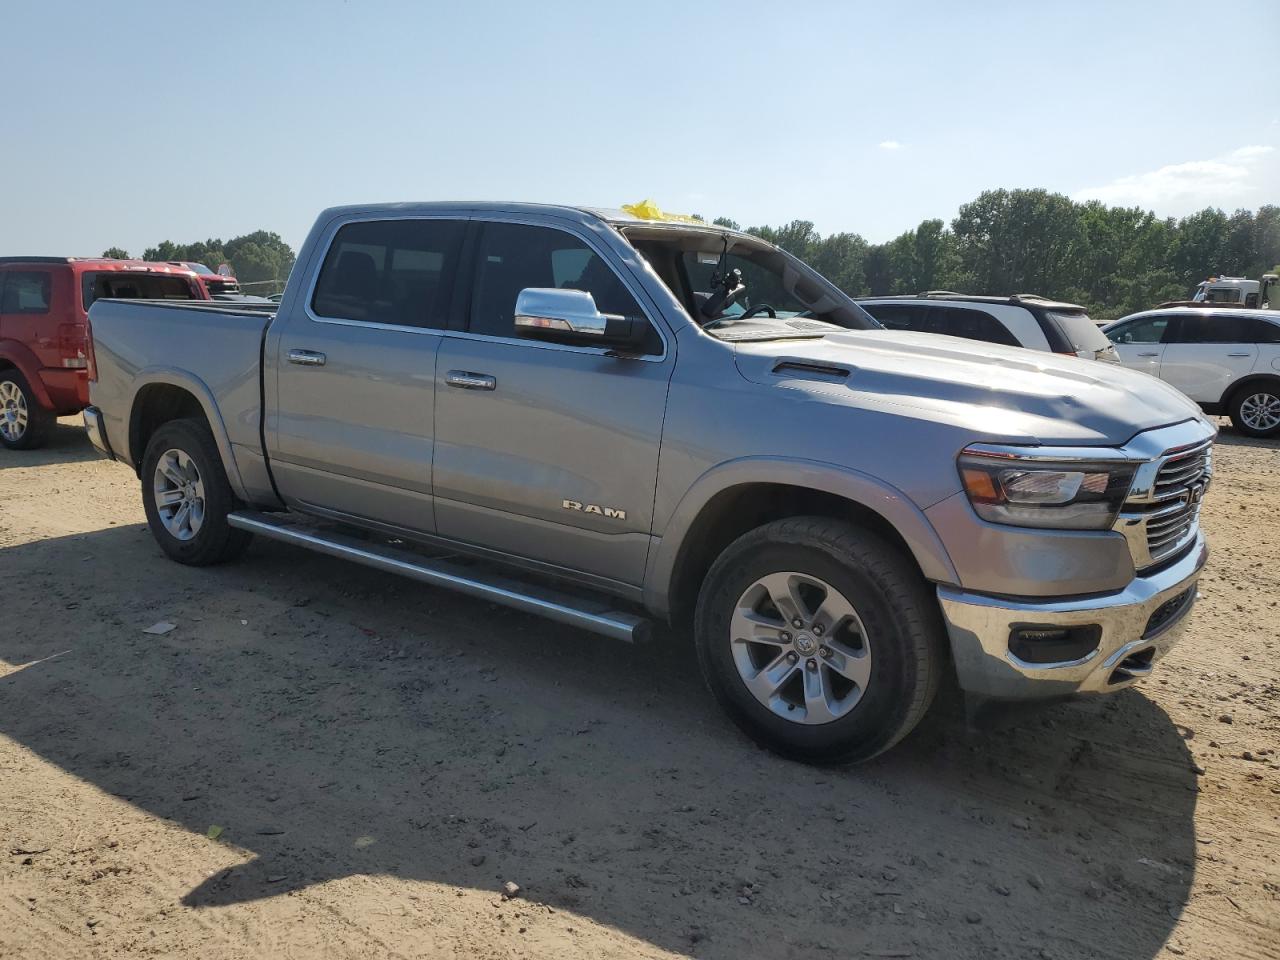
1206, 353
1140, 342
354, 372
547, 452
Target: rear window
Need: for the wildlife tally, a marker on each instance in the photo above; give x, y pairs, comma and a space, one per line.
119, 285
1080, 330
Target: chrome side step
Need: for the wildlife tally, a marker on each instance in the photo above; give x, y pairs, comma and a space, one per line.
578, 612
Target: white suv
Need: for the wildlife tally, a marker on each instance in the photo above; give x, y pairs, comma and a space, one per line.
1022, 320
1228, 361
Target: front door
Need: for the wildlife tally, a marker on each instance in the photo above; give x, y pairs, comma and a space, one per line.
353, 426
548, 452
1140, 343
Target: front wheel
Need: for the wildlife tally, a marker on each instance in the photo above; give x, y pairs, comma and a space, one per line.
24, 424
1255, 410
820, 639
187, 497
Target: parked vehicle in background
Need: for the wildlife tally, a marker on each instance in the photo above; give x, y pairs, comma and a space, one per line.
1238, 290
1022, 320
213, 281
610, 420
1227, 360
44, 302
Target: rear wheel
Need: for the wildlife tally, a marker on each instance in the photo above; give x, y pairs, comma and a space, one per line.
24, 424
819, 639
1255, 410
187, 496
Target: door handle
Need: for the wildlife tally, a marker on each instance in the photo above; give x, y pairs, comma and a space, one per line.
470, 381
1148, 354
308, 358
1239, 354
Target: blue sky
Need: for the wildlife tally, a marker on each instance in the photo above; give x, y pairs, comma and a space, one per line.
132, 122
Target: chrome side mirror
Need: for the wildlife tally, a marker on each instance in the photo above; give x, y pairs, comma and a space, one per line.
570, 316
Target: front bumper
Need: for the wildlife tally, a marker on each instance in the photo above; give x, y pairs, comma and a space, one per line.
97, 432
1138, 625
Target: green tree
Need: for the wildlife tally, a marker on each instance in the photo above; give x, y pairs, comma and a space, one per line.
116, 253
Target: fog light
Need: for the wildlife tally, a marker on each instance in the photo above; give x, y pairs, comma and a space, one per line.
1034, 644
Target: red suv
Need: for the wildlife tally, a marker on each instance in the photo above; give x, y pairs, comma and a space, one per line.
44, 304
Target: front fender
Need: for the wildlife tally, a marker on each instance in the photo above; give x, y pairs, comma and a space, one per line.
186, 380
887, 501
28, 364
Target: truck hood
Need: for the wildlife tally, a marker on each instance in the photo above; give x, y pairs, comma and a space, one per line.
994, 392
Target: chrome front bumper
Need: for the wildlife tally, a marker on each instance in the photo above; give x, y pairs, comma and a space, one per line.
97, 432
1130, 640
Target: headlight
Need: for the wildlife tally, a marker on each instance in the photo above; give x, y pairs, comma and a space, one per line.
1033, 490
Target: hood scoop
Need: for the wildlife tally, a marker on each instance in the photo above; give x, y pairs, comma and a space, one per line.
812, 369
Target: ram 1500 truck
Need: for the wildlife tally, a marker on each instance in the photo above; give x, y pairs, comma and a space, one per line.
613, 421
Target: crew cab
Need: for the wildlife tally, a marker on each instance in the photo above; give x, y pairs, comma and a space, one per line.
43, 305
614, 422
1226, 360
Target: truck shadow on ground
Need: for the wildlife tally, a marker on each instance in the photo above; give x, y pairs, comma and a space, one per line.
68, 443
339, 722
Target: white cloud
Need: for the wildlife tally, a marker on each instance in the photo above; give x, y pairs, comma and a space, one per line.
1248, 176
889, 145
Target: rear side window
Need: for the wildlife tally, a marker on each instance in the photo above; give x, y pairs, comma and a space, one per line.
390, 271
1219, 329
971, 324
118, 285
513, 256
1080, 330
26, 291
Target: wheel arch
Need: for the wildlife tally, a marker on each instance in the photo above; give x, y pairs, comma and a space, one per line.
740, 496
163, 395
18, 356
1249, 380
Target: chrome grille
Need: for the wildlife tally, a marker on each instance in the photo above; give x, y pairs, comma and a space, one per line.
1162, 513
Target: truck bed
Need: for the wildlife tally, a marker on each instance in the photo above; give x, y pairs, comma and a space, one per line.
213, 350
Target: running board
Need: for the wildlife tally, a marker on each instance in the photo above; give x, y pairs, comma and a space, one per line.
578, 612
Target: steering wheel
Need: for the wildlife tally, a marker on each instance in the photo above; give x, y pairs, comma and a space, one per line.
758, 308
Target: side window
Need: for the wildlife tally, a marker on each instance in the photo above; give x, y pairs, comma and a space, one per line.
1147, 330
26, 291
972, 324
1261, 331
898, 316
511, 257
390, 271
1208, 328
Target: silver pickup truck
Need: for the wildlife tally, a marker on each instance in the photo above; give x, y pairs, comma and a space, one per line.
612, 421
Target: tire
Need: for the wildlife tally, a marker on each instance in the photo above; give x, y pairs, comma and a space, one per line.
24, 424
1255, 409
895, 636
182, 466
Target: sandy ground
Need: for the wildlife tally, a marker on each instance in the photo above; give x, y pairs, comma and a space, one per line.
381, 757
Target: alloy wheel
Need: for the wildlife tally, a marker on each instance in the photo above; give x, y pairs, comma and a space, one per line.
800, 647
179, 494
14, 414
1261, 411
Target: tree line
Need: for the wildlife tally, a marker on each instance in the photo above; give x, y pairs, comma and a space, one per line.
261, 260
1111, 260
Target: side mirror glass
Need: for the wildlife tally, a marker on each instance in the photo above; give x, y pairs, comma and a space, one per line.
571, 316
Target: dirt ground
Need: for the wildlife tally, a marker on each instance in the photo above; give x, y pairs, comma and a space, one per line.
381, 757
